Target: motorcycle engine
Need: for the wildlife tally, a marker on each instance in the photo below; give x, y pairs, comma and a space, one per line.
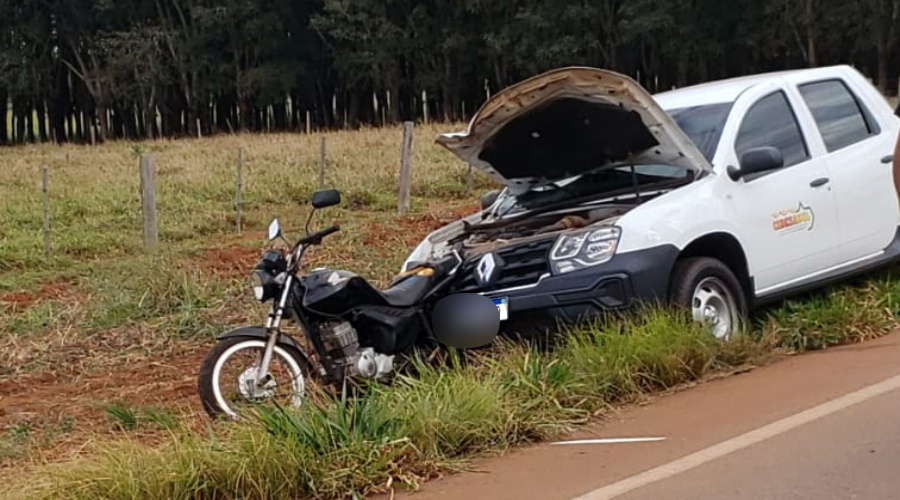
342, 343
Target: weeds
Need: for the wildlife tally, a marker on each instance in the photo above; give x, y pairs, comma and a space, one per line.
14, 442
163, 419
404, 433
123, 416
129, 418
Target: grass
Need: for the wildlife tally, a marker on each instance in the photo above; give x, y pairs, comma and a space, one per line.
128, 418
122, 415
19, 441
111, 286
95, 201
400, 435
99, 298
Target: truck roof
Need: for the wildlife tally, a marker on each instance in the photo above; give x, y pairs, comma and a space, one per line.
728, 90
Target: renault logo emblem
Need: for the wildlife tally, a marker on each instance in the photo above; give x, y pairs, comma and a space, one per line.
485, 269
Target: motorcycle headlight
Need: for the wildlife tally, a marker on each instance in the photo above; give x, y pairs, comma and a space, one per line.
265, 286
580, 250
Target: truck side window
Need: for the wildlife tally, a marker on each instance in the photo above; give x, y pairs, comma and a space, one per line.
841, 118
771, 122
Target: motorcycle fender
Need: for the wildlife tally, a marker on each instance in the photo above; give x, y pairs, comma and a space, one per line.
259, 332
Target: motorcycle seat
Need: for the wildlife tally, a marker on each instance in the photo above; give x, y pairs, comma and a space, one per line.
407, 292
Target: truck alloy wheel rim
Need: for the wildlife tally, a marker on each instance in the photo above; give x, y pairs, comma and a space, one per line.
713, 305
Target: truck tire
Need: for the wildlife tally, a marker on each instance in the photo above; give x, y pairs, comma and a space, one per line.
712, 293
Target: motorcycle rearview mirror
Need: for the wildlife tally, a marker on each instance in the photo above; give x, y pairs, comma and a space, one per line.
322, 198
326, 198
274, 230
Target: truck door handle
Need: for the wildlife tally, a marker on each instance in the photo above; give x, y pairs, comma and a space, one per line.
888, 159
819, 182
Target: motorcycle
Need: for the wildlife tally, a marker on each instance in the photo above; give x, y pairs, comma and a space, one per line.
356, 332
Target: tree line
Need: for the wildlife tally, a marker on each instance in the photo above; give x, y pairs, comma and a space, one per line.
94, 70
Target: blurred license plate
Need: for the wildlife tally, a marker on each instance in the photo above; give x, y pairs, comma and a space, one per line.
502, 308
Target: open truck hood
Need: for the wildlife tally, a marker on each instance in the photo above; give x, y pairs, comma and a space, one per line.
568, 122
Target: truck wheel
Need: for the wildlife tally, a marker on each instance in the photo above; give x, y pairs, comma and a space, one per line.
713, 294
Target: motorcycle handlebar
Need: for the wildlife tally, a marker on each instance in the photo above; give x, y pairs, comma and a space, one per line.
316, 238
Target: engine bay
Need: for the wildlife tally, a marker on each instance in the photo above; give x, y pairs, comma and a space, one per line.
490, 236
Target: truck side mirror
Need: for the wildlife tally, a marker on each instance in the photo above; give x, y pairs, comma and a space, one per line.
757, 160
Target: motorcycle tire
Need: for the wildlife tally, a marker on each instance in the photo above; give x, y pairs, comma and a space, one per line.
207, 383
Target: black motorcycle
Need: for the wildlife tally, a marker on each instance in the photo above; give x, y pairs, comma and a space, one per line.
354, 331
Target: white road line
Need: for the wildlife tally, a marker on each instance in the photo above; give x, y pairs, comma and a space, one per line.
740, 442
612, 441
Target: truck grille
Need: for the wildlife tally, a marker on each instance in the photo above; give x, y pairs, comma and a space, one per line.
523, 265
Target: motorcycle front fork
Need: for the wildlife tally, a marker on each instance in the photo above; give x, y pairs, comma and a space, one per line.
273, 331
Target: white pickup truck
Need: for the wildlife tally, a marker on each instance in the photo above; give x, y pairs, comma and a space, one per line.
717, 197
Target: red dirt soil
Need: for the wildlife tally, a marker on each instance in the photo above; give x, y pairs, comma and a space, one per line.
230, 262
47, 291
41, 400
414, 228
164, 379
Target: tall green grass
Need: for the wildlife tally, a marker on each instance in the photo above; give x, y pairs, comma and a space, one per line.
402, 434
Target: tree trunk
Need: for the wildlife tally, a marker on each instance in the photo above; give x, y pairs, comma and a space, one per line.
42, 122
279, 113
247, 115
26, 131
103, 122
4, 130
811, 35
883, 63
29, 113
446, 90
683, 68
59, 107
171, 119
131, 122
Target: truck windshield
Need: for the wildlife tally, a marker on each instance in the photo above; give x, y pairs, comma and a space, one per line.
703, 125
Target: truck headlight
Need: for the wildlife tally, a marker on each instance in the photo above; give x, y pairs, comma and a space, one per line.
580, 250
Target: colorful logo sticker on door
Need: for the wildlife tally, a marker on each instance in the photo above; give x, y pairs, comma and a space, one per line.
793, 220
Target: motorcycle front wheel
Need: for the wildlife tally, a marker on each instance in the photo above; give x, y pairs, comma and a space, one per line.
226, 382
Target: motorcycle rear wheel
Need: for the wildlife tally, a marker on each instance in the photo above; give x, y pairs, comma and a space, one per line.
285, 360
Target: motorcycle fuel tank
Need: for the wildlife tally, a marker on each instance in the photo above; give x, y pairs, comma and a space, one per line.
336, 292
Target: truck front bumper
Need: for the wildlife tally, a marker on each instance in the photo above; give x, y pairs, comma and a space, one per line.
628, 279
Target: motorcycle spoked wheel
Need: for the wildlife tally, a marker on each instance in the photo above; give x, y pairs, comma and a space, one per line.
224, 390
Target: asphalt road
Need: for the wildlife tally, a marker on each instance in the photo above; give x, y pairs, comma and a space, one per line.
820, 426
853, 454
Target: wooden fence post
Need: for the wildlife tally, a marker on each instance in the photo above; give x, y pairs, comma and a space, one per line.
148, 204
322, 165
240, 185
45, 188
403, 199
307, 123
